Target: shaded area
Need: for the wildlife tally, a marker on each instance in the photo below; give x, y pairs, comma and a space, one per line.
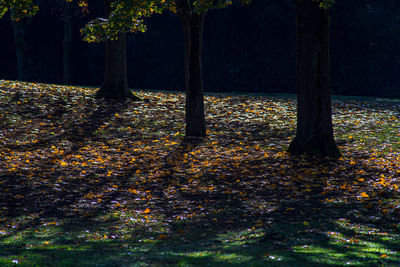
295, 225
132, 191
247, 49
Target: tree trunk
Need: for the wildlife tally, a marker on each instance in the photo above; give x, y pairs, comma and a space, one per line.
67, 45
193, 25
21, 48
115, 84
314, 134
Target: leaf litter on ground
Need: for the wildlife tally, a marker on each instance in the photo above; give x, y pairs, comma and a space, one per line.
94, 170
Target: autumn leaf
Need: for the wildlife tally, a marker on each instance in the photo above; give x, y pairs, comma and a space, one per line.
363, 194
63, 163
240, 174
162, 236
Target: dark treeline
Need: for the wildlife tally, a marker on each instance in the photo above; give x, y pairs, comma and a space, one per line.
248, 49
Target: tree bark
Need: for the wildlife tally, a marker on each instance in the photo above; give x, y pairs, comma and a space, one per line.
67, 44
21, 49
115, 84
314, 134
193, 25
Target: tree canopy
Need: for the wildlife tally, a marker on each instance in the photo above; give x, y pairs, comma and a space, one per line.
128, 15
18, 8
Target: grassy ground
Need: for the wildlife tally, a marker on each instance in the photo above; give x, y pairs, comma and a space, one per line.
89, 183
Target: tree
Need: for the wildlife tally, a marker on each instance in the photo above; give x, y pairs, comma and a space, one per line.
68, 11
67, 14
191, 14
113, 32
314, 134
20, 12
20, 28
115, 84
193, 24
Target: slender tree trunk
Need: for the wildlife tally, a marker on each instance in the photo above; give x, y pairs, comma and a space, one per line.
193, 25
67, 45
115, 84
21, 48
314, 134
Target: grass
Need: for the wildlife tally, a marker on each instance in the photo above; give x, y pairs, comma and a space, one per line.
90, 183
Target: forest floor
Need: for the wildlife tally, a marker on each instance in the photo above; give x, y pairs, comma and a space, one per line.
93, 183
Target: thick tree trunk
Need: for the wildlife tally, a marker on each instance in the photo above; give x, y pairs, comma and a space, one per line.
193, 25
115, 84
67, 45
21, 49
314, 116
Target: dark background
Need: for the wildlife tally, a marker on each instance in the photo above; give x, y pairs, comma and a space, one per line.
246, 49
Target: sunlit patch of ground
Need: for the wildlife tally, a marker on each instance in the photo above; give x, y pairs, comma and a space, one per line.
93, 182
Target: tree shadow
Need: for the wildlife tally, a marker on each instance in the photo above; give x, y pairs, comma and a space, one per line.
294, 224
268, 211
76, 131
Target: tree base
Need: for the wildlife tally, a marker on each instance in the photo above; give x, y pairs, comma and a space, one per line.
111, 94
194, 134
195, 126
194, 140
318, 146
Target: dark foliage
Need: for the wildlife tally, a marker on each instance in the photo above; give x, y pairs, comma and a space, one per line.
248, 48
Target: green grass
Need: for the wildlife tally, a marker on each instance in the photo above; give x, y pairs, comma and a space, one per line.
86, 183
297, 246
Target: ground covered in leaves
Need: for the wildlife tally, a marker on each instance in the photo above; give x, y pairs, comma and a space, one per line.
85, 182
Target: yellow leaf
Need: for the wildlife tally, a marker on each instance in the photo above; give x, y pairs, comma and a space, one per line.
363, 194
134, 191
384, 256
46, 242
162, 236
147, 210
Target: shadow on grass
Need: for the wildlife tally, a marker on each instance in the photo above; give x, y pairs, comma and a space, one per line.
76, 131
249, 223
260, 213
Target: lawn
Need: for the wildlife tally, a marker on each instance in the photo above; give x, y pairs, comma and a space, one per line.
85, 182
